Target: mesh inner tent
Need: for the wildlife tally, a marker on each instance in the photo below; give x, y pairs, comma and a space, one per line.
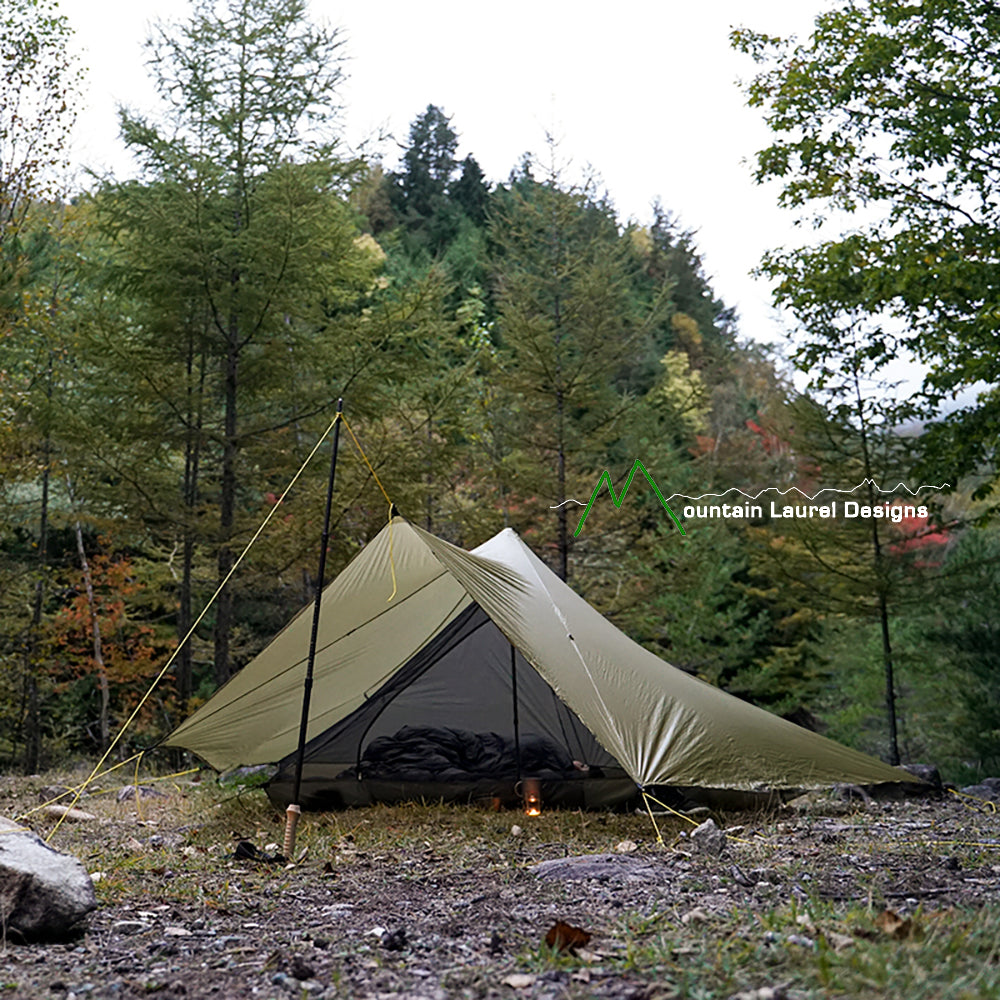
459, 689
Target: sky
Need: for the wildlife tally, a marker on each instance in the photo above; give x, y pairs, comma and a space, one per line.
643, 93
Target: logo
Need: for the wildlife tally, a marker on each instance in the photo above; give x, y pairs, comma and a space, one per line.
619, 498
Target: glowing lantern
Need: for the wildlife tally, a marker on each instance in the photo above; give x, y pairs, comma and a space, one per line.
532, 797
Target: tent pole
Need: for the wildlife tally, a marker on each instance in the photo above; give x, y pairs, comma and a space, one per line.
294, 810
513, 687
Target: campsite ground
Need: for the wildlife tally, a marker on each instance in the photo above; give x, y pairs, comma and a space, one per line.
825, 899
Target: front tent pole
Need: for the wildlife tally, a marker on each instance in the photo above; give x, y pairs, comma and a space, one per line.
517, 728
294, 810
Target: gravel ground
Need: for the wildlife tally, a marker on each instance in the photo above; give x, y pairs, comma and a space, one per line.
440, 902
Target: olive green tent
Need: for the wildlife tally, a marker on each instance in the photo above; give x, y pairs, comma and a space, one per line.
440, 669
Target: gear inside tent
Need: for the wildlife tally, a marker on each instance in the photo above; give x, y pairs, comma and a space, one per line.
447, 674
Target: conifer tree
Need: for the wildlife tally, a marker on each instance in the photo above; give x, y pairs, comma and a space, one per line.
239, 255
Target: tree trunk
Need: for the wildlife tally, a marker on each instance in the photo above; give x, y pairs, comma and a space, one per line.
95, 626
227, 509
31, 724
192, 467
881, 583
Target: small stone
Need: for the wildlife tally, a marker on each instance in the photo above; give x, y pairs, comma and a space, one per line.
708, 838
626, 846
300, 968
519, 980
131, 926
516, 831
68, 814
127, 793
53, 793
396, 940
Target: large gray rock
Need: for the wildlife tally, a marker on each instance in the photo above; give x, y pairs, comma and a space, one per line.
603, 867
44, 894
988, 789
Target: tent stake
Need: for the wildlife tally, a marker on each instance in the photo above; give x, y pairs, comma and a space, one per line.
294, 810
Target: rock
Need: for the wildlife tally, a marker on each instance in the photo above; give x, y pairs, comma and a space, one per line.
930, 786
44, 894
519, 980
53, 793
708, 838
927, 773
604, 867
395, 940
131, 926
300, 968
127, 792
65, 813
987, 789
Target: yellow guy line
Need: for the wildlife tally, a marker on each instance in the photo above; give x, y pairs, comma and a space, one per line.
647, 798
73, 788
173, 656
991, 807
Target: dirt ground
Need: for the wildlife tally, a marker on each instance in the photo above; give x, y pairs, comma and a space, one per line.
440, 902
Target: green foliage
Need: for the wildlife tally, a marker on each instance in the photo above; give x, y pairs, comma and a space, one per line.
890, 110
567, 322
38, 80
961, 627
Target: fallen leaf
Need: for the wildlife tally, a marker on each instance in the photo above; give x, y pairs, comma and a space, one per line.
626, 846
839, 941
695, 916
897, 927
519, 980
565, 937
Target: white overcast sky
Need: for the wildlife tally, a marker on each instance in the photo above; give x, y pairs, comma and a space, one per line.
644, 92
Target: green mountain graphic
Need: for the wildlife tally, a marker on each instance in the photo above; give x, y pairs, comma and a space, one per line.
618, 499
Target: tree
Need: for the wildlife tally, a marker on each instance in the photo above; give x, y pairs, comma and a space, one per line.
889, 112
37, 83
238, 260
851, 567
433, 207
962, 628
567, 322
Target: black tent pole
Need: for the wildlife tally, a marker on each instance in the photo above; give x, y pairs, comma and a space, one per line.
517, 728
294, 810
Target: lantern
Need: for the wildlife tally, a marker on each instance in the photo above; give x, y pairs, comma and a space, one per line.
532, 789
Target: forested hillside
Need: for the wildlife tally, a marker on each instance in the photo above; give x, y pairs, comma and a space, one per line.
174, 344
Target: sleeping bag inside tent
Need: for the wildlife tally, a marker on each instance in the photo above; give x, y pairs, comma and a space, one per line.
446, 674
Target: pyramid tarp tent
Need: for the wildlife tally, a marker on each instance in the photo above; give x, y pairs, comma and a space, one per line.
440, 670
